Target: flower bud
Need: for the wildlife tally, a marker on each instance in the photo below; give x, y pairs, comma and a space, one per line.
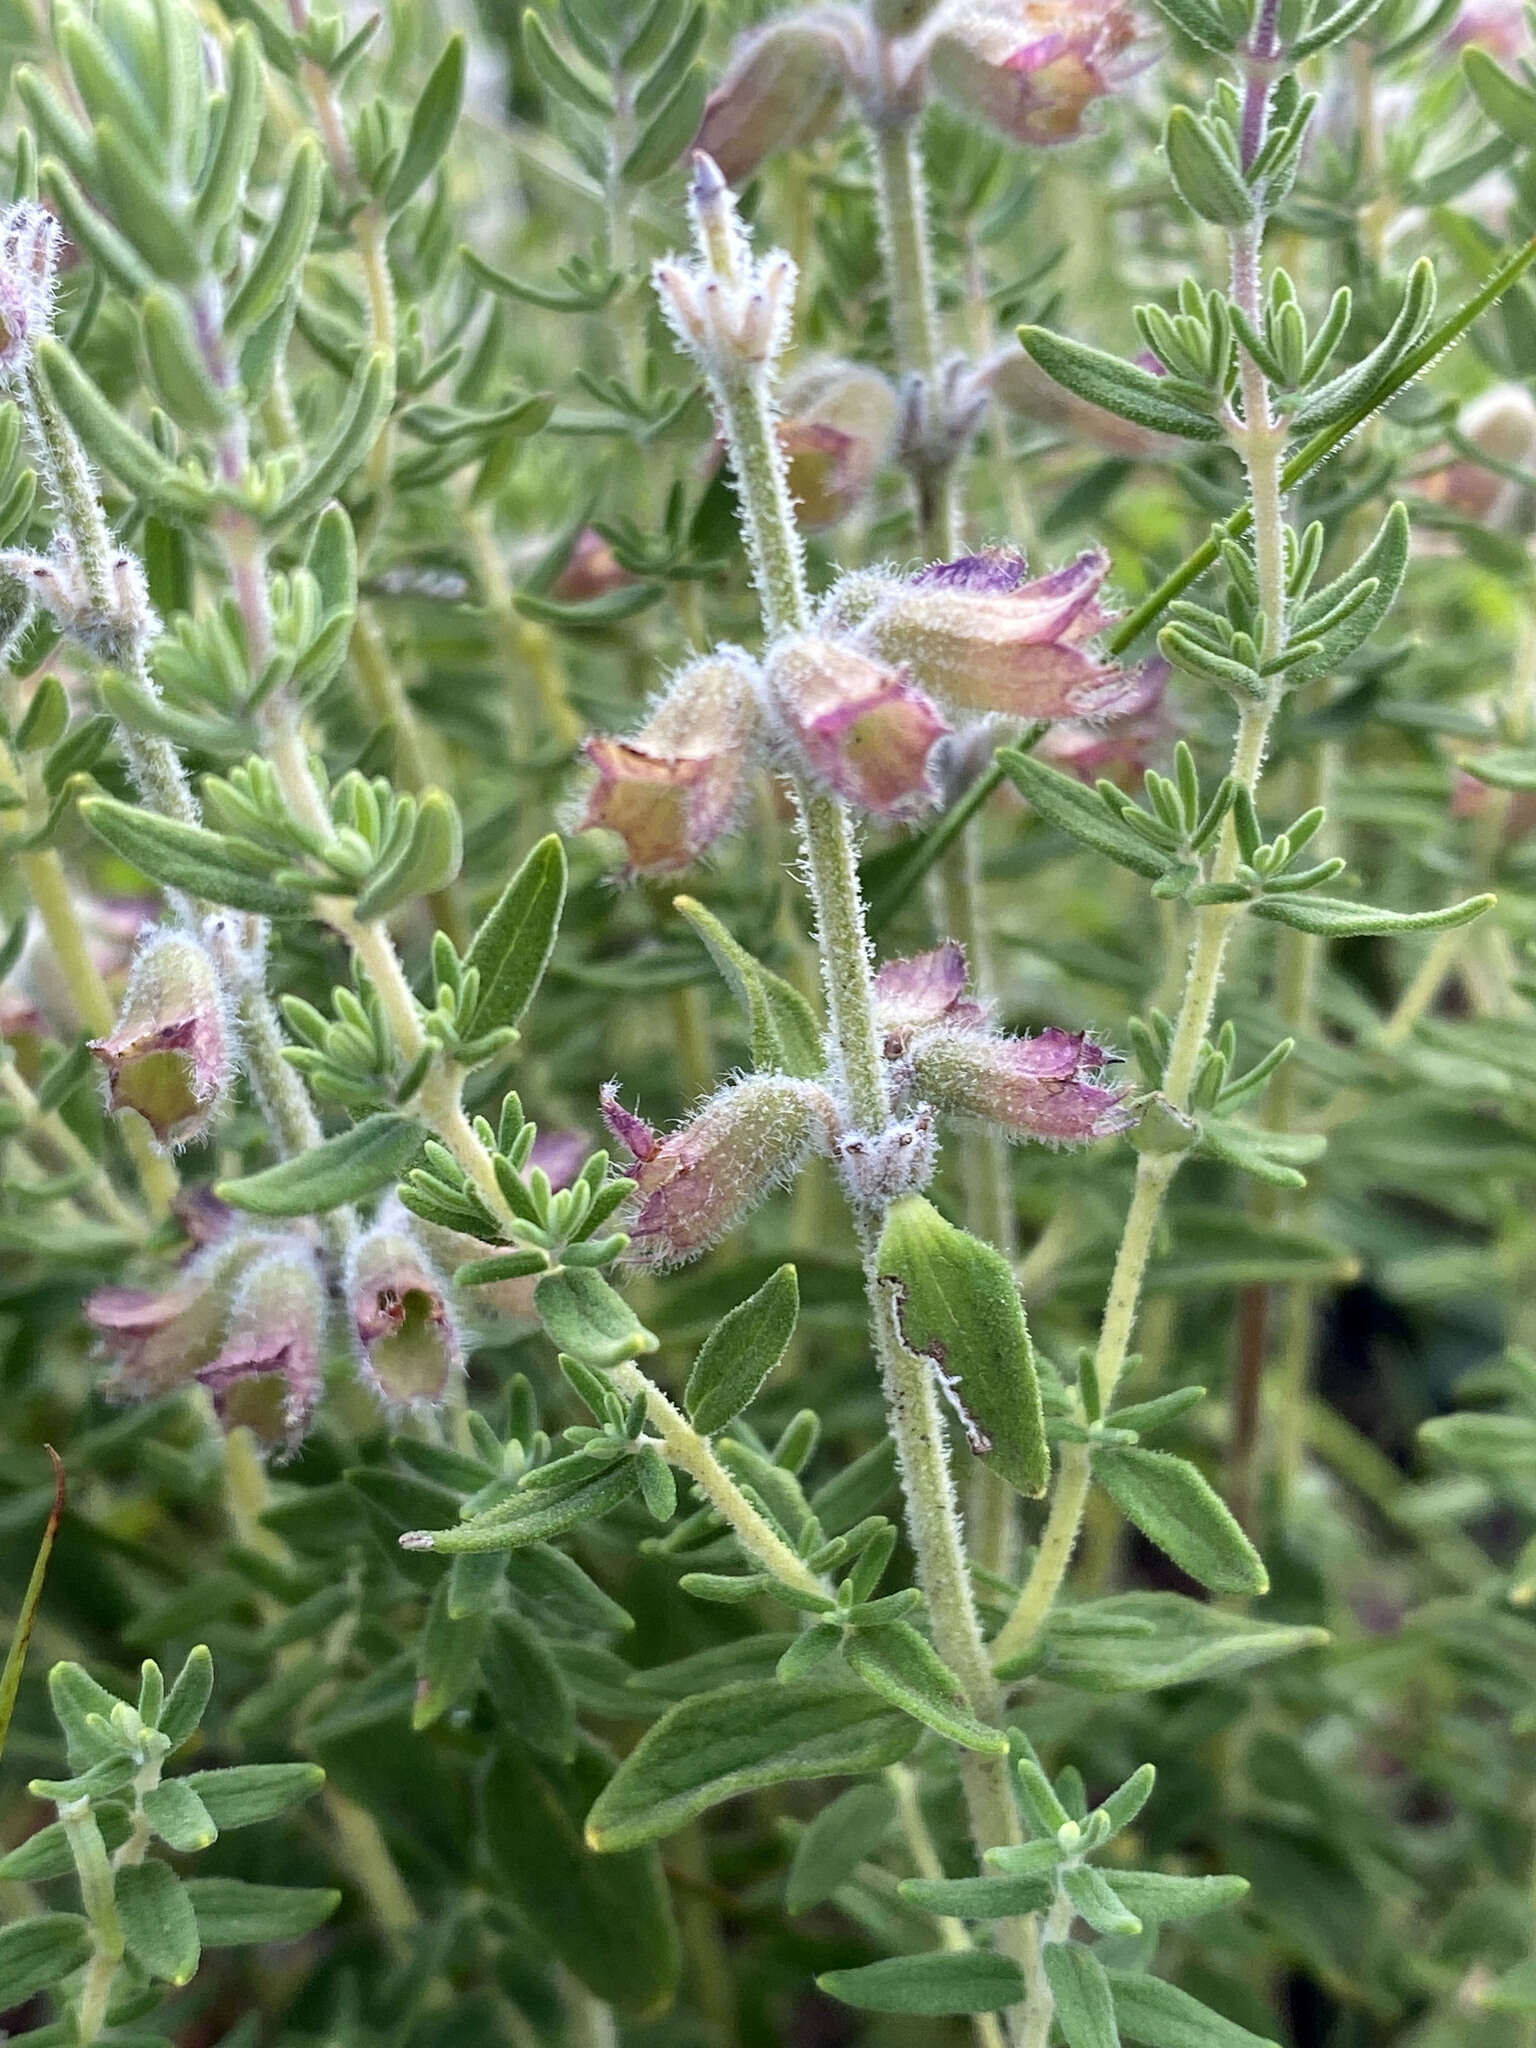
171, 1053
1502, 27
1048, 1088
729, 310
856, 724
927, 990
699, 1181
408, 1343
266, 1373
983, 638
158, 1339
781, 89
1032, 68
837, 429
673, 788
29, 256
591, 570
1500, 424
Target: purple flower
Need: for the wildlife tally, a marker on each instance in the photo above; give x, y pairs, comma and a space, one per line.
837, 428
857, 724
928, 989
408, 1342
1032, 68
266, 1373
171, 1054
702, 1179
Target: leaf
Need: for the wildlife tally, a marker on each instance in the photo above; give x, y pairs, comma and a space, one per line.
607, 1918
532, 1516
447, 1659
837, 1841
1186, 1640
1070, 807
31, 1600
1155, 1895
40, 1951
428, 860
275, 267
203, 864
982, 1898
246, 1793
741, 1351
1507, 102
433, 120
670, 130
559, 1594
1207, 178
1162, 2016
159, 1925
347, 1168
179, 1817
1332, 917
1368, 381
512, 948
1384, 563
527, 1689
742, 1738
1085, 2009
583, 1315
1175, 1508
785, 1036
904, 1668
1498, 1447
942, 1981
233, 1914
956, 1305
188, 1697
1201, 23
1122, 388
1094, 1900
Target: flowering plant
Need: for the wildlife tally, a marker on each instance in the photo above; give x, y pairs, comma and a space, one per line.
684, 1416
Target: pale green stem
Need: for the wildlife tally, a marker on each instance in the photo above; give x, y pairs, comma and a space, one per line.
48, 1130
953, 1934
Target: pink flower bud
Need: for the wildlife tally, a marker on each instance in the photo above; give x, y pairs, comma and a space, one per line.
1049, 1087
29, 256
782, 88
673, 788
408, 1344
917, 994
171, 1053
728, 309
591, 570
1032, 68
266, 1374
856, 724
156, 1340
1499, 26
837, 429
982, 638
1500, 424
699, 1181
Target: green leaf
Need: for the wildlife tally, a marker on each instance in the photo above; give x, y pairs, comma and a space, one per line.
346, 1168
1497, 1447
904, 1668
185, 857
1367, 380
433, 120
1161, 2016
511, 949
526, 1687
39, 1951
1505, 768
179, 1817
558, 1594
1201, 23
837, 1841
1094, 1900
180, 374
232, 1914
1332, 917
362, 419
31, 1599
741, 1351
785, 1036
244, 1794
142, 209
670, 130
606, 1917
942, 1981
983, 1898
1208, 179
558, 74
1122, 388
1155, 1895
586, 1317
532, 1516
1184, 1640
741, 1739
1385, 563
447, 1659
1065, 803
160, 1927
188, 1698
1174, 1507
1085, 2009
955, 1304
428, 861
274, 268
1507, 102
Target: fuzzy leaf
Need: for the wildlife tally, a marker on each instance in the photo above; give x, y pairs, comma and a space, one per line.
1119, 387
741, 1739
179, 1817
511, 949
1183, 1639
1159, 2015
938, 1982
785, 1036
583, 1315
837, 1841
1503, 99
526, 1687
433, 120
243, 1794
1155, 1895
981, 1898
1085, 2008
532, 1516
1332, 917
159, 1925
904, 1668
185, 857
1065, 803
346, 1168
233, 1914
741, 1351
39, 1951
1175, 1508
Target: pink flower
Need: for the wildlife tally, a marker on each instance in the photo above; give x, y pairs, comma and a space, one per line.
701, 1180
1119, 747
857, 724
671, 790
837, 428
158, 1340
916, 994
983, 638
266, 1373
171, 1054
783, 87
1032, 68
408, 1343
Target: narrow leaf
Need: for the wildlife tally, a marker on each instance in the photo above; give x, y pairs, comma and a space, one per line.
741, 1351
346, 1168
1175, 1508
941, 1981
511, 949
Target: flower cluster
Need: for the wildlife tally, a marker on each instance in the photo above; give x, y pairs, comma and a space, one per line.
891, 668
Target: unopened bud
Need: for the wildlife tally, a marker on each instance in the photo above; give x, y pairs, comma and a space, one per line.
1048, 1088
591, 570
158, 1339
983, 638
1032, 68
266, 1373
1500, 424
729, 309
408, 1344
171, 1054
29, 255
837, 430
856, 724
782, 88
699, 1181
672, 789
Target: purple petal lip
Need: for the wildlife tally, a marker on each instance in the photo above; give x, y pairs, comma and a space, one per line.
996, 570
632, 1132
